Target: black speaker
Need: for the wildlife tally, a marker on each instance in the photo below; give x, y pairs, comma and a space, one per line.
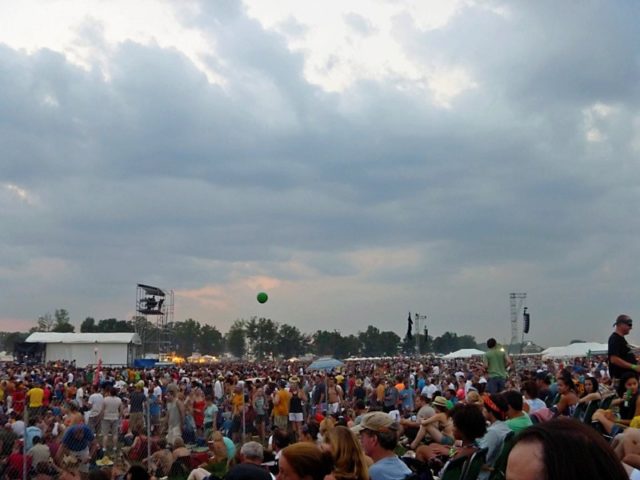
527, 320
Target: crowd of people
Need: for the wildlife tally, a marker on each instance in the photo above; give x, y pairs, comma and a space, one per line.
424, 417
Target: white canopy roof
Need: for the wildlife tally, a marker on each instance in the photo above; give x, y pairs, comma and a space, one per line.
464, 353
54, 337
575, 350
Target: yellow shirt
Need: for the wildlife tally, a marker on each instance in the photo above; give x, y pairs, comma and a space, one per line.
36, 394
282, 408
236, 402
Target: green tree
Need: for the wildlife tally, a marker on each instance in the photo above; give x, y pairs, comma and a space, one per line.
62, 322
185, 335
88, 325
147, 331
10, 340
324, 342
113, 325
235, 339
347, 346
210, 341
45, 322
290, 341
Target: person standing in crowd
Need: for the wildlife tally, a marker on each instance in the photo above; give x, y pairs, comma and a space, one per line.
296, 402
95, 409
111, 413
496, 362
621, 359
379, 438
281, 398
35, 395
137, 401
175, 416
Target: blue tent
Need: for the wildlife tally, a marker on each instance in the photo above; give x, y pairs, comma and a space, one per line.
325, 363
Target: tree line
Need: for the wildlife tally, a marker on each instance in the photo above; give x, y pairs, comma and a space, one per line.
257, 338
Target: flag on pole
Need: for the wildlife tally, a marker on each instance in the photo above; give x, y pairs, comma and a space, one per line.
409, 327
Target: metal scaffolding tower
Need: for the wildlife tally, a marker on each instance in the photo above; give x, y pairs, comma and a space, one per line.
155, 302
516, 302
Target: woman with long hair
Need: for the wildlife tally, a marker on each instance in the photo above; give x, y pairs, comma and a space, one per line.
591, 391
563, 448
568, 395
349, 460
304, 461
629, 404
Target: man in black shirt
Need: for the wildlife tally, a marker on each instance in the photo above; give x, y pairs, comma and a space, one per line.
621, 359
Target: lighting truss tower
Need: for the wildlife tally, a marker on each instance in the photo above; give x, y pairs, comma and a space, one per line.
516, 302
153, 303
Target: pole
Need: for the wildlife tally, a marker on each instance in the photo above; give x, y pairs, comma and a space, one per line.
417, 323
244, 424
148, 426
24, 442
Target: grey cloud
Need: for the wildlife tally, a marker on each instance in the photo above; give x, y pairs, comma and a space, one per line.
158, 176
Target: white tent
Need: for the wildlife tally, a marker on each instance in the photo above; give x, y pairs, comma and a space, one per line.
575, 350
87, 348
464, 353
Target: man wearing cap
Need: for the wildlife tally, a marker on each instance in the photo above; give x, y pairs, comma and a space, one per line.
621, 359
379, 437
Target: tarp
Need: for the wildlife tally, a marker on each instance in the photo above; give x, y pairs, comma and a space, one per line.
575, 350
464, 353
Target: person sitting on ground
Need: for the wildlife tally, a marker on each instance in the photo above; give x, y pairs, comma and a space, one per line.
495, 410
303, 461
379, 438
218, 463
518, 420
628, 402
591, 391
160, 461
568, 395
310, 432
439, 426
250, 466
563, 449
349, 461
410, 426
532, 403
469, 425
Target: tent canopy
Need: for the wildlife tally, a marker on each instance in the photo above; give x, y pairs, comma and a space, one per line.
464, 353
325, 363
575, 350
56, 337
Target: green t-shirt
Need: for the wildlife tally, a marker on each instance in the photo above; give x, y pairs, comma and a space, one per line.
519, 423
495, 360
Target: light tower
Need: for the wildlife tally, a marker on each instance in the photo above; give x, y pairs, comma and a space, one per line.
516, 302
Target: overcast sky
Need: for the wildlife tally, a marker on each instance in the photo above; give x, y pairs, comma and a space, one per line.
356, 160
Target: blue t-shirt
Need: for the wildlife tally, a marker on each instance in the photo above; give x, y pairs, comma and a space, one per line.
154, 405
390, 468
74, 443
407, 396
30, 434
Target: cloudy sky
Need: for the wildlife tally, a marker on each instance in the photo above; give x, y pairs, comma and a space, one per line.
356, 160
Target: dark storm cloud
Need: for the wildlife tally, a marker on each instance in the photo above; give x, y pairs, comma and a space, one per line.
154, 174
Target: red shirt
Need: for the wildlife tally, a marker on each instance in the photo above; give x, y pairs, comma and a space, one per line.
19, 398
